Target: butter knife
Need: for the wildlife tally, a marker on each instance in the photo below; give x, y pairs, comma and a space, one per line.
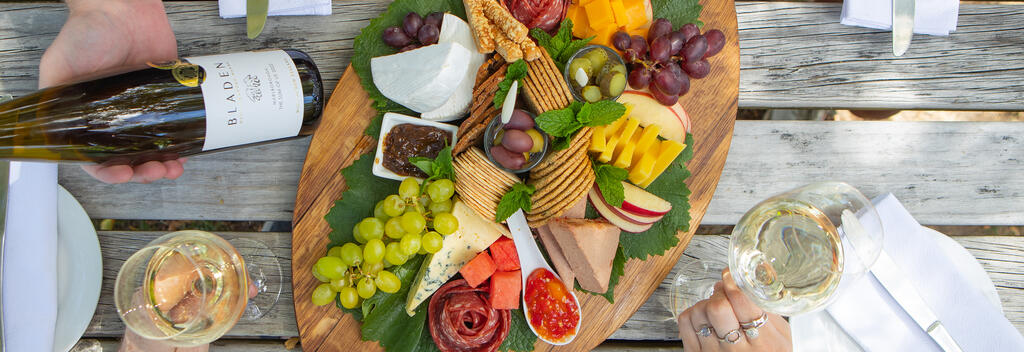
896, 282
5, 174
902, 25
255, 16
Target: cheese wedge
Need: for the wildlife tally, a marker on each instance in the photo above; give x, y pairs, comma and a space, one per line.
589, 246
474, 235
455, 30
669, 151
421, 79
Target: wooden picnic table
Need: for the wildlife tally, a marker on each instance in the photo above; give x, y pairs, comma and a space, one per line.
793, 55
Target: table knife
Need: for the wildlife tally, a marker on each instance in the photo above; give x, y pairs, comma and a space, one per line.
902, 290
5, 174
902, 25
255, 16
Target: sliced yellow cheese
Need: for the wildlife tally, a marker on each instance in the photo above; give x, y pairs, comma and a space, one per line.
645, 166
474, 235
624, 157
626, 135
597, 140
669, 151
646, 141
620, 136
580, 25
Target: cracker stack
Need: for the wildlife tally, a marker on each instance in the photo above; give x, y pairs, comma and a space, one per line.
480, 183
561, 180
544, 87
494, 29
481, 110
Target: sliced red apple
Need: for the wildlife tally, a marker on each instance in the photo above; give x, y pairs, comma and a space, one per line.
641, 202
633, 218
609, 214
673, 120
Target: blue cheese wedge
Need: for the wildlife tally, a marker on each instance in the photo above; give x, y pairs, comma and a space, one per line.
474, 235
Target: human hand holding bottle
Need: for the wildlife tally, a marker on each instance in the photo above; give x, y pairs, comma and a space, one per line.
103, 37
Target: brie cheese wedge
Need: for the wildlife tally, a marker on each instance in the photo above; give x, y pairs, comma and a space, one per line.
422, 79
455, 30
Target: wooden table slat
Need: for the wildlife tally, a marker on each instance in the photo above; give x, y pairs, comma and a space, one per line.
1001, 256
946, 173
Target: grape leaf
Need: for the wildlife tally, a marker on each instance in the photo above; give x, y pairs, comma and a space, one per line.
357, 202
387, 322
520, 338
368, 43
669, 186
618, 269
679, 12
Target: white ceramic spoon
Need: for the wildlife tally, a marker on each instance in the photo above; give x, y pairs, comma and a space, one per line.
531, 259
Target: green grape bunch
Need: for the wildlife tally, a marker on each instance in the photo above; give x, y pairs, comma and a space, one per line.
412, 222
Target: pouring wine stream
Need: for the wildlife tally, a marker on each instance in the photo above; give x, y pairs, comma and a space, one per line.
530, 259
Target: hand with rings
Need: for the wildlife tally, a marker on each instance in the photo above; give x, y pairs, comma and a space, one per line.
728, 321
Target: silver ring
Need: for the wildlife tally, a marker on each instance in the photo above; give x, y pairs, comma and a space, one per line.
705, 331
731, 336
751, 328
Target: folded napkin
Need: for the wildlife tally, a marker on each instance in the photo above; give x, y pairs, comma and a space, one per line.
30, 258
236, 8
934, 17
866, 311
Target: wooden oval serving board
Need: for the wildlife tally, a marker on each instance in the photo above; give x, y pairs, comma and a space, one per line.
339, 141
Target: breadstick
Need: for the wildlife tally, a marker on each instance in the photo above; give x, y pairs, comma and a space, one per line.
479, 26
501, 18
506, 48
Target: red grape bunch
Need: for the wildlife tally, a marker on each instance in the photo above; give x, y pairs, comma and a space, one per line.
667, 59
414, 32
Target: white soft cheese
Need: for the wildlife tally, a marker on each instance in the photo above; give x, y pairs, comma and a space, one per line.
455, 30
422, 79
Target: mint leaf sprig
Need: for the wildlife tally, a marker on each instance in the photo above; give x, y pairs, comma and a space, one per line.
516, 198
561, 46
609, 182
437, 168
563, 123
515, 72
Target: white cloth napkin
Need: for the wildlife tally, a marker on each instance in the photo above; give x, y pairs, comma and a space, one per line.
934, 17
236, 8
867, 312
30, 258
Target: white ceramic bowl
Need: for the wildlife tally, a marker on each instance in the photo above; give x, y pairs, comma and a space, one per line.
390, 121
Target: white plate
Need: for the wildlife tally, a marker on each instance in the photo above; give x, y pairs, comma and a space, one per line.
79, 272
391, 120
818, 331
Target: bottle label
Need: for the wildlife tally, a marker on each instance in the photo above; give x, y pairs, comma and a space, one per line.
250, 97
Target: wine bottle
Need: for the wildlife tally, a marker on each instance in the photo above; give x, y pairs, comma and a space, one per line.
168, 110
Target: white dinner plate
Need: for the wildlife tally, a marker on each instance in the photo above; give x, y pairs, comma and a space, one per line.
818, 331
79, 272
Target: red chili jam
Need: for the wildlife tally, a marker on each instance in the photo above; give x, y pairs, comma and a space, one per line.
552, 310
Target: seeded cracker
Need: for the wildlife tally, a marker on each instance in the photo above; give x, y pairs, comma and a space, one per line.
555, 187
534, 91
559, 87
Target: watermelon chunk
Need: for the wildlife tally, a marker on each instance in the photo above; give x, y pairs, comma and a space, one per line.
478, 269
503, 251
505, 288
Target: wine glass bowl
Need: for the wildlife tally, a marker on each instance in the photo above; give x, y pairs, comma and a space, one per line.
186, 288
791, 252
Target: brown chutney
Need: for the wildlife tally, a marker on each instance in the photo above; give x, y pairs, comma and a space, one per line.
409, 140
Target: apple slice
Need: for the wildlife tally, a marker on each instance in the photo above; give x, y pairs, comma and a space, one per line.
673, 120
609, 214
641, 202
633, 218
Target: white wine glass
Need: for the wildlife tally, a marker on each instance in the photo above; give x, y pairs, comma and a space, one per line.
792, 253
189, 288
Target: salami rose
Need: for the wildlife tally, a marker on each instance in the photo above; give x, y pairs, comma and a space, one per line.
461, 319
543, 14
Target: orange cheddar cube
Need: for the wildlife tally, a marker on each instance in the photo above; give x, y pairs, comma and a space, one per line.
619, 12
599, 14
635, 13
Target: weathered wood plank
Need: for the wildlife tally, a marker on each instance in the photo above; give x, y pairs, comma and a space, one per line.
945, 173
1001, 256
794, 55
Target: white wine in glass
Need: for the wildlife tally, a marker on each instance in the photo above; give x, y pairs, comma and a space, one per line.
791, 253
185, 288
